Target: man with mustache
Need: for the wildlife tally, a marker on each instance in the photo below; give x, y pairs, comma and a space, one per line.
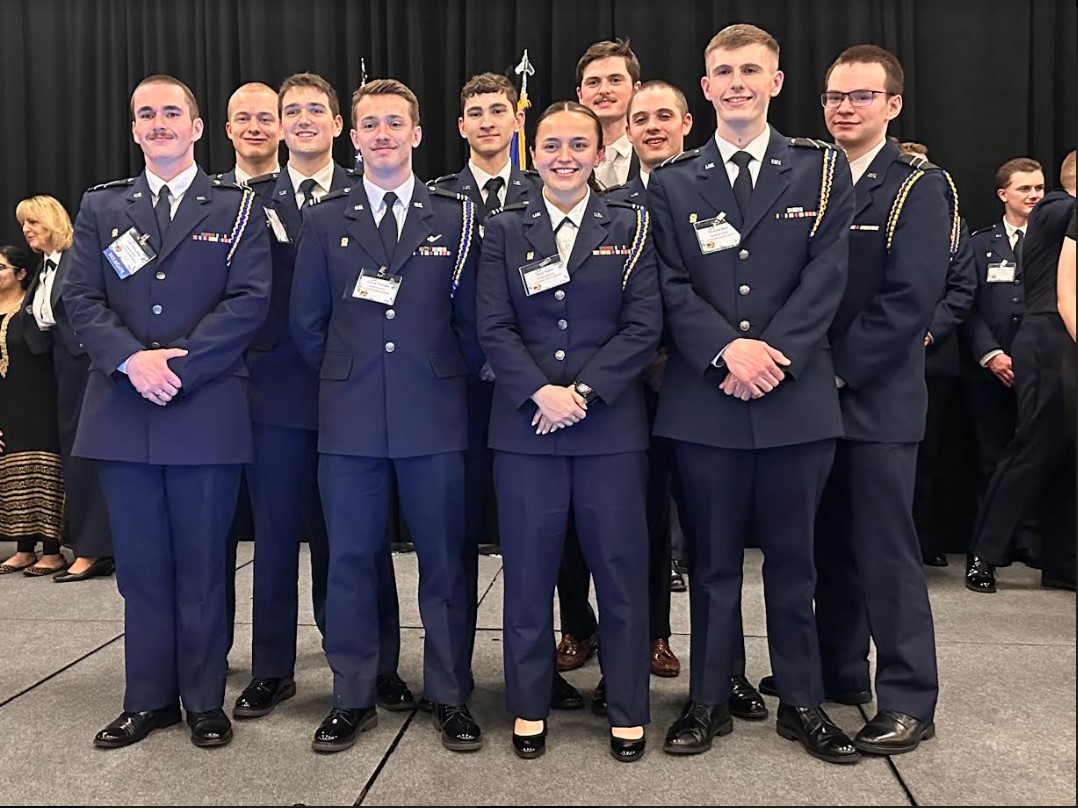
606, 76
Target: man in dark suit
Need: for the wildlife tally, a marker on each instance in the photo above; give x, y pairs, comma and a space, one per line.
607, 75
752, 232
989, 333
1035, 475
170, 279
383, 305
905, 231
284, 409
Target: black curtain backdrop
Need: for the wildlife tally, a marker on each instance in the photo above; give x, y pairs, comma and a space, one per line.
986, 80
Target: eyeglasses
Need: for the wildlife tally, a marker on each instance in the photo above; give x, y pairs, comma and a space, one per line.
859, 98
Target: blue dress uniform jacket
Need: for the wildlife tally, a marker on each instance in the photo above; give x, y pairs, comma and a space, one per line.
782, 285
895, 282
633, 191
943, 356
273, 360
207, 291
415, 354
997, 311
521, 183
600, 328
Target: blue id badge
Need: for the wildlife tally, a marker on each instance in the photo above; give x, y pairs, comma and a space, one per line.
129, 253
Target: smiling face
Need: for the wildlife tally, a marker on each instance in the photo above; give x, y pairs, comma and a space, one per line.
385, 135
740, 83
309, 123
858, 129
37, 235
488, 124
1023, 192
606, 88
657, 125
566, 152
164, 128
253, 125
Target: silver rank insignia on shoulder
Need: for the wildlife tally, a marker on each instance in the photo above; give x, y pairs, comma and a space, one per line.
692, 218
344, 241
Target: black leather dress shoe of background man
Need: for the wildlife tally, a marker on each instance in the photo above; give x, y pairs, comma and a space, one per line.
745, 702
598, 698
691, 734
980, 575
131, 728
460, 732
339, 730
934, 559
892, 733
391, 693
820, 736
101, 568
262, 695
530, 746
211, 728
851, 697
563, 696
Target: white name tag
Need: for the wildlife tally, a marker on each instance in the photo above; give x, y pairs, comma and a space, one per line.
543, 275
716, 234
129, 253
277, 226
379, 287
1002, 272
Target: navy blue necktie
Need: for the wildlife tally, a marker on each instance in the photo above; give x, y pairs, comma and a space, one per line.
387, 228
163, 211
743, 181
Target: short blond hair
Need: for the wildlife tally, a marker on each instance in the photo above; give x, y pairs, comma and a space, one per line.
48, 211
386, 87
738, 36
1066, 172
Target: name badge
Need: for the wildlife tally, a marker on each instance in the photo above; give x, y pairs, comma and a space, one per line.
543, 275
1002, 272
277, 226
379, 287
716, 234
129, 253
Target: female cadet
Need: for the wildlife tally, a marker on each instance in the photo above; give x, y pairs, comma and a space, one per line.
569, 315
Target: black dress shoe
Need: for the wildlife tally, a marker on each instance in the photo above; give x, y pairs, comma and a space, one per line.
131, 728
563, 696
745, 702
530, 746
626, 751
598, 698
850, 697
460, 732
691, 734
934, 559
339, 730
210, 728
820, 736
262, 695
892, 733
677, 581
980, 576
391, 693
101, 568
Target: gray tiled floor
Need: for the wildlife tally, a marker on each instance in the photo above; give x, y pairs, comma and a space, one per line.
1006, 717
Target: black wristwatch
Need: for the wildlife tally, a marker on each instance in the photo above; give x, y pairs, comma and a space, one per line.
585, 390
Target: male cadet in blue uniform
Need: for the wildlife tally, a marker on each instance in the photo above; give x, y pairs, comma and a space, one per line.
169, 280
905, 231
752, 231
992, 325
488, 119
383, 304
1035, 475
284, 408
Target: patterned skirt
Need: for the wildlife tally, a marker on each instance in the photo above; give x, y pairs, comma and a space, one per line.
31, 495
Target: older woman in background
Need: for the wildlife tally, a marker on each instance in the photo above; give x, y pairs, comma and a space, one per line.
47, 229
31, 483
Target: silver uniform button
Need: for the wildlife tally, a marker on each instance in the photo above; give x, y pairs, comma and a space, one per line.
157, 309
390, 314
160, 276
559, 354
744, 325
743, 254
390, 347
744, 289
154, 345
559, 295
563, 324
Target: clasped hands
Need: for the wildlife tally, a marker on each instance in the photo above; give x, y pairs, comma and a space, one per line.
755, 368
559, 407
150, 374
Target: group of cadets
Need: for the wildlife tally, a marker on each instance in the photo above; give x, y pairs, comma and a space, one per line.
743, 325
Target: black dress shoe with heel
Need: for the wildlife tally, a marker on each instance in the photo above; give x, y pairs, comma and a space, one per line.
132, 727
101, 568
460, 732
745, 702
209, 728
262, 695
563, 696
691, 734
339, 730
850, 697
530, 746
626, 751
893, 733
391, 693
818, 734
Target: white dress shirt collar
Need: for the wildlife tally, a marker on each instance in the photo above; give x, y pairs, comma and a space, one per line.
859, 166
376, 196
177, 186
482, 178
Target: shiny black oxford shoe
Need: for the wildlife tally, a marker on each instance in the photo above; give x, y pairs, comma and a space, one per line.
460, 732
132, 727
339, 730
745, 702
209, 728
893, 733
391, 693
697, 725
563, 696
262, 695
817, 733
